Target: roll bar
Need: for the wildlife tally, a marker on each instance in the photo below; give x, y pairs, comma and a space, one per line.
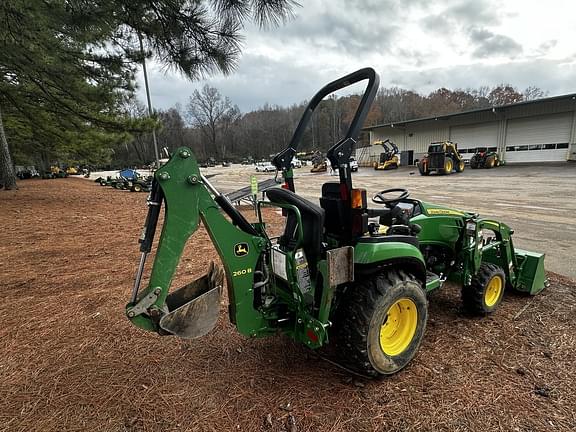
384, 146
340, 152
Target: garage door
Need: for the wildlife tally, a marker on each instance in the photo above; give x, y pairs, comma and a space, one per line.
476, 135
538, 139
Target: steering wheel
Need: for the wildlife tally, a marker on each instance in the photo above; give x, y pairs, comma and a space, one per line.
380, 197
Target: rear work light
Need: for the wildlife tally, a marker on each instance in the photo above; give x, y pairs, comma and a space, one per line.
359, 199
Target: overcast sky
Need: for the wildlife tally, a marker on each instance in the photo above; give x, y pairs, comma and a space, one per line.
420, 45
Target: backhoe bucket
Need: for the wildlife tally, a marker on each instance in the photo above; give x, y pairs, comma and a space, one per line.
194, 308
531, 278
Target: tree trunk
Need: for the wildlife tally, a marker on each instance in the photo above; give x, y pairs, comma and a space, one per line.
7, 174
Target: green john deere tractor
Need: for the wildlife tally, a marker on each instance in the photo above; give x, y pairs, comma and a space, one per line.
357, 280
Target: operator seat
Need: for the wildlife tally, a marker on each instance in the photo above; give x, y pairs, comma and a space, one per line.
312, 222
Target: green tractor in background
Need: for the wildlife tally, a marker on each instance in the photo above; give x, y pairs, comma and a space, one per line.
341, 273
484, 158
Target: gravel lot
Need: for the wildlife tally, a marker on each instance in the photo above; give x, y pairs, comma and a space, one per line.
537, 201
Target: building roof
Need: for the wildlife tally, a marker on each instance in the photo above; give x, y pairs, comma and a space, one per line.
494, 108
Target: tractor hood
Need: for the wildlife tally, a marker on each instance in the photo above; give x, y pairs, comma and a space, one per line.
430, 209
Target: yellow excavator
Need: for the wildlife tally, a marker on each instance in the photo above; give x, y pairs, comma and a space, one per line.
319, 163
389, 159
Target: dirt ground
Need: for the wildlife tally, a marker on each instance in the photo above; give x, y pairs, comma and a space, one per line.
70, 360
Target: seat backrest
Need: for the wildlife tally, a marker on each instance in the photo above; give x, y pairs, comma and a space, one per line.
335, 207
312, 221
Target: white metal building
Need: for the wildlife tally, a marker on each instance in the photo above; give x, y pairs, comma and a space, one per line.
542, 130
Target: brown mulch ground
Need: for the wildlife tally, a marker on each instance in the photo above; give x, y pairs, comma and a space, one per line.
70, 360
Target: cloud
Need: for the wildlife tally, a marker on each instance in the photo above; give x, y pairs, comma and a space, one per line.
257, 81
546, 46
451, 17
261, 80
438, 24
489, 44
336, 26
521, 74
415, 44
475, 12
468, 22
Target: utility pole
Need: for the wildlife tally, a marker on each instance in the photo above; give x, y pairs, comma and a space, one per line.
149, 100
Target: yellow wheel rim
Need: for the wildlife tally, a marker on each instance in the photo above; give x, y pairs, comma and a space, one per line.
493, 291
399, 327
461, 165
448, 166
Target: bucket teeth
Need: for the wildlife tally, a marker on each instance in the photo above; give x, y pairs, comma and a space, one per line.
193, 309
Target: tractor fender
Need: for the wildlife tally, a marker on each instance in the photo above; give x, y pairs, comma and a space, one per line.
372, 258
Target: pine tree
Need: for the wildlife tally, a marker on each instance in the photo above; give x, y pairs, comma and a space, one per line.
71, 63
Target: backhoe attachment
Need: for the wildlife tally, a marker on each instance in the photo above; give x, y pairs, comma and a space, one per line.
192, 310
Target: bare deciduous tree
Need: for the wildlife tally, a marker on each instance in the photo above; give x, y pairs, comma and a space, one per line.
533, 92
209, 111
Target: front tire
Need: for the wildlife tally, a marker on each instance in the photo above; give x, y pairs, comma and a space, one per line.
485, 292
381, 323
448, 165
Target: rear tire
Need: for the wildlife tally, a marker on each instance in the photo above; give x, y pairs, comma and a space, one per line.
423, 171
485, 292
460, 166
380, 323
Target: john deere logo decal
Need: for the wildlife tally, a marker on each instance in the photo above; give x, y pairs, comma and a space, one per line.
241, 249
444, 212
